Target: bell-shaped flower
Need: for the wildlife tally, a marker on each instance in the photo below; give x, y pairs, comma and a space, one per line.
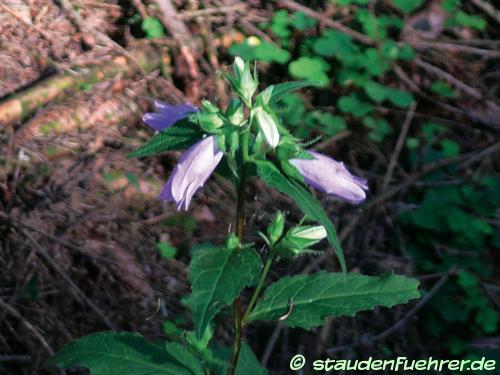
332, 177
267, 125
166, 115
191, 172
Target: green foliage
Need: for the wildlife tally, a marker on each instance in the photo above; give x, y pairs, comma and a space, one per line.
379, 128
108, 353
308, 299
461, 18
407, 6
310, 68
166, 250
152, 27
179, 136
352, 104
254, 49
443, 89
307, 203
217, 277
248, 363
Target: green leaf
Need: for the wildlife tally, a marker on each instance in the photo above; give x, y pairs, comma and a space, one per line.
380, 128
254, 49
166, 250
335, 43
377, 92
407, 6
179, 136
184, 357
280, 90
443, 88
248, 363
309, 299
401, 98
470, 20
352, 104
450, 148
217, 277
302, 21
152, 27
108, 353
307, 202
310, 68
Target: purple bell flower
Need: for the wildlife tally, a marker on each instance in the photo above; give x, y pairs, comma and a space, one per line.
166, 115
332, 177
193, 169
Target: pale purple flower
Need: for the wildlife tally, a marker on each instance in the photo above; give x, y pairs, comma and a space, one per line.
166, 115
332, 177
191, 172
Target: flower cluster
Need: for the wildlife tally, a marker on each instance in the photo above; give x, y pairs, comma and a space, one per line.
202, 158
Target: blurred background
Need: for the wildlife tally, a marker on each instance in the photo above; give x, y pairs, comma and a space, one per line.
408, 99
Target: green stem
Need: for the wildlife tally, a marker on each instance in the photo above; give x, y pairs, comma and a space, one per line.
240, 226
259, 286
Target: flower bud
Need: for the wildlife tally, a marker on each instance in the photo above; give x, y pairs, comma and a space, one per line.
275, 229
287, 149
267, 125
305, 236
209, 122
232, 241
243, 82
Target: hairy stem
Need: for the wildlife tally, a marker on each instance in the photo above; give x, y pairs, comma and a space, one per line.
240, 225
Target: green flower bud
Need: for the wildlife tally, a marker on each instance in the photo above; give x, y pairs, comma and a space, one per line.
209, 122
287, 149
232, 241
243, 82
305, 236
275, 229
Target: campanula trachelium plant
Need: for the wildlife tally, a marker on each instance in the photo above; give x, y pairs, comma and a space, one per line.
251, 139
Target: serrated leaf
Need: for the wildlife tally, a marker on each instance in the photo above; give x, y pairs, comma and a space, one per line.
248, 362
217, 277
184, 357
307, 202
179, 136
309, 299
109, 353
280, 90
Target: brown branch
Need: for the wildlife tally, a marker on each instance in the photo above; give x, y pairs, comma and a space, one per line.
448, 77
182, 35
22, 105
399, 146
16, 314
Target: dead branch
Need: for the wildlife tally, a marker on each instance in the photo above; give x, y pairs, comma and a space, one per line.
176, 26
23, 104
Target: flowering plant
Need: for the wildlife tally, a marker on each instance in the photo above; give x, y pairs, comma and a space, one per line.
250, 139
